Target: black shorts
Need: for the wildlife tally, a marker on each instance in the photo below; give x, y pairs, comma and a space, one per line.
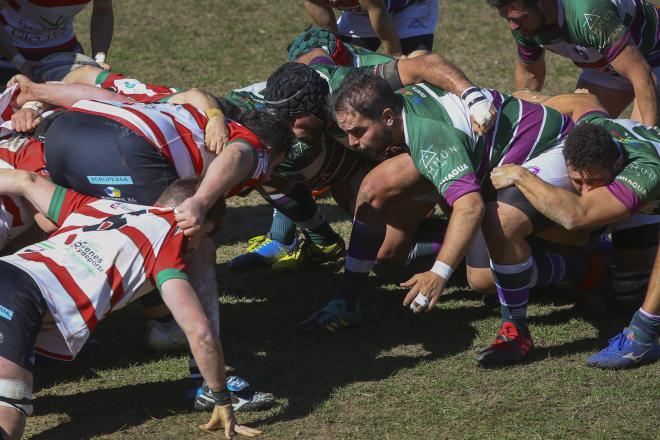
408, 45
22, 309
100, 157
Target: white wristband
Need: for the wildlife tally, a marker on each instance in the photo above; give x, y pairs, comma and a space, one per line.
18, 61
37, 106
442, 270
99, 57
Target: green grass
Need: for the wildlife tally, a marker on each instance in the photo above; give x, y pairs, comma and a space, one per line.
399, 375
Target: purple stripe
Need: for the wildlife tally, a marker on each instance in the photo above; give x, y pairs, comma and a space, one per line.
637, 24
366, 240
460, 187
322, 60
280, 202
508, 297
626, 195
529, 128
529, 54
566, 126
614, 49
368, 228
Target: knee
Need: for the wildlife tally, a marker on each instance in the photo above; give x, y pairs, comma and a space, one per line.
372, 193
481, 280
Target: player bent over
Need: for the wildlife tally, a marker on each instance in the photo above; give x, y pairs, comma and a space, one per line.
102, 256
614, 165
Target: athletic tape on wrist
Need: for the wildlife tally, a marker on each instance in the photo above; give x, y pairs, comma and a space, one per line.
18, 61
37, 106
99, 57
222, 397
442, 270
472, 96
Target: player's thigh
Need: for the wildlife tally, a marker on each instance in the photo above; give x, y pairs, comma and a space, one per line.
393, 178
614, 93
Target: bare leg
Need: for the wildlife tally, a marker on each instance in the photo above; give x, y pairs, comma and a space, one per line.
12, 422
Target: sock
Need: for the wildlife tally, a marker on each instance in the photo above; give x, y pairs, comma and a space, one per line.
428, 240
193, 371
299, 206
512, 282
645, 326
363, 248
552, 268
282, 229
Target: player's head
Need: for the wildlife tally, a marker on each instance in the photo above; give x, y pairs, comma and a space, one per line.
182, 189
297, 93
273, 132
228, 108
366, 107
523, 15
316, 38
592, 157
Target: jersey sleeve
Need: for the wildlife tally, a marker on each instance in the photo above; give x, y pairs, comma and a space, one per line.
64, 202
169, 263
637, 184
528, 50
599, 25
442, 157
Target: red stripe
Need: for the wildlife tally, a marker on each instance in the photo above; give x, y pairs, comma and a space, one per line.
144, 246
193, 149
64, 230
85, 307
200, 119
116, 282
7, 112
164, 148
14, 210
60, 357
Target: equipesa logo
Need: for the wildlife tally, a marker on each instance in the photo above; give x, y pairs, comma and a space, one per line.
110, 180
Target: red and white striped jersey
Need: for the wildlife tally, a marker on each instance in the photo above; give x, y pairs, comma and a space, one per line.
103, 255
18, 152
177, 132
36, 26
133, 88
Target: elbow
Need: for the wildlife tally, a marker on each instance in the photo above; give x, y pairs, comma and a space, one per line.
573, 223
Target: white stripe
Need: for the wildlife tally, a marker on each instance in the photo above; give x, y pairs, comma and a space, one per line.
455, 108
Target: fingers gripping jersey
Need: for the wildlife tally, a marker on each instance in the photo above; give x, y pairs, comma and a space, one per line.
99, 259
638, 182
135, 89
592, 33
444, 149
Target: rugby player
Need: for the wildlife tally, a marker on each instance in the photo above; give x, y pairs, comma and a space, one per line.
614, 165
614, 42
33, 30
444, 157
403, 27
101, 256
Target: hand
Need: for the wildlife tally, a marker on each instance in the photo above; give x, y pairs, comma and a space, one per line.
190, 215
428, 284
482, 117
223, 417
25, 120
103, 65
216, 134
505, 176
25, 92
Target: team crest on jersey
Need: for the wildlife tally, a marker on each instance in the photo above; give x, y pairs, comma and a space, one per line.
111, 191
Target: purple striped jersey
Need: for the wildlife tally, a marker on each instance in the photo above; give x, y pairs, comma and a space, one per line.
592, 33
444, 149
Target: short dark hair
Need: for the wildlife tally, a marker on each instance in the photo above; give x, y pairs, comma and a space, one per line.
589, 144
228, 108
272, 131
184, 188
365, 93
500, 3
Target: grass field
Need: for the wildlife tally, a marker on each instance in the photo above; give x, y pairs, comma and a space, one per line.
398, 376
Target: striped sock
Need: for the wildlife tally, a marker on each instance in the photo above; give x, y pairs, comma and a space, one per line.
552, 268
363, 248
645, 326
512, 282
428, 240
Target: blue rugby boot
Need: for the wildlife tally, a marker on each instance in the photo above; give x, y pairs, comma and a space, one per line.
624, 351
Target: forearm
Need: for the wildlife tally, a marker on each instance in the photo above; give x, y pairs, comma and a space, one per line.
436, 70
225, 172
529, 76
102, 27
65, 95
382, 24
646, 94
323, 16
196, 97
464, 222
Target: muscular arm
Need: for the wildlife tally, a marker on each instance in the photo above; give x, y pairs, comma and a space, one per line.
630, 63
101, 26
62, 95
436, 70
322, 15
464, 222
182, 301
594, 208
530, 75
37, 190
215, 133
383, 26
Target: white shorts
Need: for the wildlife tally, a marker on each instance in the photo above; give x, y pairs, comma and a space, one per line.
417, 19
610, 81
550, 166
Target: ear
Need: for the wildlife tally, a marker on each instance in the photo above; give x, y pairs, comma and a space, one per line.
388, 117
